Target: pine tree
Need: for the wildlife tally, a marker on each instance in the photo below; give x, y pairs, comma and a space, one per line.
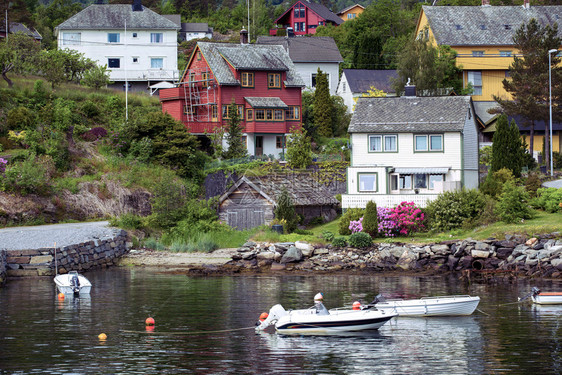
322, 105
286, 210
371, 219
236, 148
507, 150
299, 154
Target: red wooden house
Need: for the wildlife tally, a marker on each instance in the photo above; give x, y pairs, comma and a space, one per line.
261, 80
305, 16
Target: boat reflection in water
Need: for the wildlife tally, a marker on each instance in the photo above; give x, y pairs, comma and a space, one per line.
424, 345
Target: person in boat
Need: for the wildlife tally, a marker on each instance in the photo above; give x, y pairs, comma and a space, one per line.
319, 306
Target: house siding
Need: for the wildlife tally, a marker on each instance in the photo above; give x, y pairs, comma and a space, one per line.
306, 70
346, 95
470, 143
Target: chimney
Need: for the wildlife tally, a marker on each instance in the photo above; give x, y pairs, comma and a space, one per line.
485, 3
526, 4
137, 6
243, 36
409, 90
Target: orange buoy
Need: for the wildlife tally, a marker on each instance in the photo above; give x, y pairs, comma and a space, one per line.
263, 316
149, 328
60, 296
356, 305
149, 321
102, 336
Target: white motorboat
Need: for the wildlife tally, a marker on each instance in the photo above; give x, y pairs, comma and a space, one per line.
73, 283
544, 298
313, 321
457, 305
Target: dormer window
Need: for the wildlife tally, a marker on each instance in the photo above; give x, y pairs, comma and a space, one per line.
459, 27
482, 27
507, 27
247, 79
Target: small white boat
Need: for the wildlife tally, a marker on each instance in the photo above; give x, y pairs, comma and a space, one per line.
312, 321
428, 306
73, 283
546, 298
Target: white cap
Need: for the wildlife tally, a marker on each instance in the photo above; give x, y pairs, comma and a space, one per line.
318, 297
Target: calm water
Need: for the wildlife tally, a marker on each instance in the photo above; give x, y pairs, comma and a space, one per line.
41, 335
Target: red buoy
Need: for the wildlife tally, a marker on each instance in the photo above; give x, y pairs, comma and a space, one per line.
60, 296
263, 316
356, 305
149, 321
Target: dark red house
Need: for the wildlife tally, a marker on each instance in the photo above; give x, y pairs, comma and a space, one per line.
262, 81
305, 16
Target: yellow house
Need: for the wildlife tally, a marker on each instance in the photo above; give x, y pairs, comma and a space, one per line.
482, 36
352, 12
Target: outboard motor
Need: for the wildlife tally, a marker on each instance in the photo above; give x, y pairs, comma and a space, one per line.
75, 284
536, 291
378, 298
275, 313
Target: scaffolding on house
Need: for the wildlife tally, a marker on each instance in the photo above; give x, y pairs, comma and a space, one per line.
200, 95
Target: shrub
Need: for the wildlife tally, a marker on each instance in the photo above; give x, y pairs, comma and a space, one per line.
339, 242
3, 163
349, 215
286, 210
452, 209
128, 221
494, 182
532, 184
360, 240
356, 226
94, 134
371, 220
548, 199
408, 218
26, 177
512, 205
387, 227
327, 235
303, 232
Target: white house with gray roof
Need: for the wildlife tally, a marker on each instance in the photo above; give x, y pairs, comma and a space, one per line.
138, 45
411, 149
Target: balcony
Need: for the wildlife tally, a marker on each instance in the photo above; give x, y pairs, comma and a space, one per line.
385, 200
145, 75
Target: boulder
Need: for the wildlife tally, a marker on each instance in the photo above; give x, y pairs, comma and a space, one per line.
441, 249
306, 249
292, 255
480, 253
557, 263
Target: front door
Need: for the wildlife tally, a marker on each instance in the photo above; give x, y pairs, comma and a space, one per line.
259, 145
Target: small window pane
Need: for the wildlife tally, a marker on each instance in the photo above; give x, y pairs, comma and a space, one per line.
433, 178
393, 182
113, 37
421, 143
375, 143
405, 181
156, 63
71, 39
390, 143
156, 37
420, 181
113, 63
367, 182
436, 142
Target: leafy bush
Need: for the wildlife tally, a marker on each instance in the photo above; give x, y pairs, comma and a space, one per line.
387, 226
153, 243
452, 209
94, 134
360, 240
371, 220
548, 199
3, 163
532, 184
327, 235
128, 221
408, 217
303, 232
286, 210
512, 205
339, 242
356, 226
347, 217
494, 182
26, 177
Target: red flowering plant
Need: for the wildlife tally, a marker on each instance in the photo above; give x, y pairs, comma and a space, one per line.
408, 217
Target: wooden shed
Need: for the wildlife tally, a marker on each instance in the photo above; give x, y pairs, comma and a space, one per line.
251, 201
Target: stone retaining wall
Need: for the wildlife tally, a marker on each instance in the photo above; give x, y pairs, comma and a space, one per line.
77, 257
515, 255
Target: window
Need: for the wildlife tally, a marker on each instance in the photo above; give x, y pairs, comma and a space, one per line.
269, 114
191, 77
71, 39
343, 86
274, 80
477, 53
505, 53
420, 181
156, 38
383, 143
428, 143
113, 37
198, 56
249, 114
134, 35
367, 182
260, 114
205, 78
292, 113
280, 141
475, 78
278, 114
299, 11
405, 181
135, 60
247, 79
434, 178
313, 79
300, 26
113, 63
226, 111
157, 63
393, 182
351, 15
214, 112
189, 110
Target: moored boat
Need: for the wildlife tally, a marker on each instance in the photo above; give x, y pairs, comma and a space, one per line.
73, 283
456, 305
546, 298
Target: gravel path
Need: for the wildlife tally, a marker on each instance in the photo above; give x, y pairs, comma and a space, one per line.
45, 236
553, 184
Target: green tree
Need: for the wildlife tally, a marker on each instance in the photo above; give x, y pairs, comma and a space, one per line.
96, 77
512, 205
507, 150
236, 148
528, 82
322, 105
52, 66
299, 154
18, 54
286, 210
371, 219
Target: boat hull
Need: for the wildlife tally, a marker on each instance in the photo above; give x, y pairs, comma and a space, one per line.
548, 298
351, 321
64, 285
438, 306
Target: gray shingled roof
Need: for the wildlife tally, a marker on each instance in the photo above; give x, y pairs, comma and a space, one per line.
361, 80
304, 49
408, 114
113, 16
488, 25
248, 57
16, 27
195, 27
348, 8
319, 9
258, 102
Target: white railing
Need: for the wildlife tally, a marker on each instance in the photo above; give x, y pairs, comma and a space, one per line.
388, 200
145, 75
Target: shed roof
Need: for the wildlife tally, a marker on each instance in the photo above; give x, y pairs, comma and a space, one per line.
410, 114
113, 16
303, 189
259, 102
16, 27
306, 49
485, 25
195, 27
247, 57
361, 80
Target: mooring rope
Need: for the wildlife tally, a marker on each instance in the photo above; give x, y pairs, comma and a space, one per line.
477, 309
183, 333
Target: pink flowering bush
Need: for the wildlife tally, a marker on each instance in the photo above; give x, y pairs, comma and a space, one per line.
3, 163
387, 226
408, 217
356, 226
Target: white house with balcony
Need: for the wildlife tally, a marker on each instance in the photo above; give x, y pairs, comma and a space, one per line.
411, 149
138, 45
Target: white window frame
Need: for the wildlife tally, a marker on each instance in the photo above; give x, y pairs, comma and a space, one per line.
114, 58
475, 78
155, 59
361, 183
383, 142
71, 39
156, 38
432, 178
